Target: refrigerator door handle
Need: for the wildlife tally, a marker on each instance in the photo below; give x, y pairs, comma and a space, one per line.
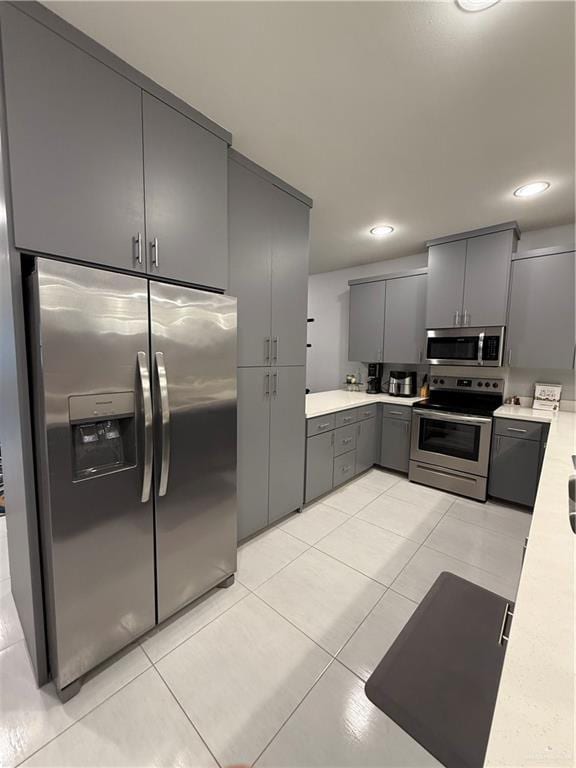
165, 422
147, 403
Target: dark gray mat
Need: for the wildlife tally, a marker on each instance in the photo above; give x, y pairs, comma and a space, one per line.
440, 678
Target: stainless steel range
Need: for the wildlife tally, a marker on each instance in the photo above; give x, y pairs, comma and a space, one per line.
451, 433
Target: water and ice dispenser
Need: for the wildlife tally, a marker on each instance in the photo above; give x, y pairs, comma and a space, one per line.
103, 433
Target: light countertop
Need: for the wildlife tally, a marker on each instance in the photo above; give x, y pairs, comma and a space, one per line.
321, 403
534, 718
524, 414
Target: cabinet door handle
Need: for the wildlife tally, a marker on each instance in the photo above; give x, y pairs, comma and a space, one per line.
275, 352
332, 439
266, 385
275, 385
155, 253
407, 426
267, 349
516, 429
502, 637
509, 358
467, 317
457, 317
137, 240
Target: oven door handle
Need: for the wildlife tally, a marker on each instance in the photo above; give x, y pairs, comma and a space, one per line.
457, 417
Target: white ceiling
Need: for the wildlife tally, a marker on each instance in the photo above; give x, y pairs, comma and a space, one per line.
410, 113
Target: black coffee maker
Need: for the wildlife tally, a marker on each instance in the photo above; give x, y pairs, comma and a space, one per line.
375, 371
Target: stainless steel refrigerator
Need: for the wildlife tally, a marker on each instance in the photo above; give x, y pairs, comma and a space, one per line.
134, 400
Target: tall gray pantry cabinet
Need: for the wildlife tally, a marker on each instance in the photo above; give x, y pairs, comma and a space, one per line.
268, 242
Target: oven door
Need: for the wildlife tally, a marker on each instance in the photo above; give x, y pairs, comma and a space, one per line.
451, 440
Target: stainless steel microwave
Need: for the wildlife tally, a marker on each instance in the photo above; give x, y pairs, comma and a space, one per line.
465, 346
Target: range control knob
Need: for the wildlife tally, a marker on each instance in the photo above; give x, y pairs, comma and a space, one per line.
495, 385
434, 381
479, 384
441, 381
487, 384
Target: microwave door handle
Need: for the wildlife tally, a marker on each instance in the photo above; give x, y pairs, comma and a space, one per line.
147, 405
481, 347
165, 423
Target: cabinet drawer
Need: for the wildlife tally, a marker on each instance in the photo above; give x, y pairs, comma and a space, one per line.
320, 424
529, 430
344, 440
367, 412
343, 418
344, 468
390, 411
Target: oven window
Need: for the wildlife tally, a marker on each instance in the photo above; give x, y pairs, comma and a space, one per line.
453, 348
462, 441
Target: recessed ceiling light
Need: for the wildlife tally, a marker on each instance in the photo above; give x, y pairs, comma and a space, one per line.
382, 230
531, 189
476, 5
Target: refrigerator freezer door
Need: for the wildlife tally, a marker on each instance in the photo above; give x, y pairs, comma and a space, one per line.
88, 330
194, 383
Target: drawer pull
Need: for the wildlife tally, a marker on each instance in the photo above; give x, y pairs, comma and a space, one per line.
515, 429
346, 440
395, 413
346, 469
347, 418
323, 426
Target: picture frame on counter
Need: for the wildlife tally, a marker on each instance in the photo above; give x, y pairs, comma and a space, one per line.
547, 397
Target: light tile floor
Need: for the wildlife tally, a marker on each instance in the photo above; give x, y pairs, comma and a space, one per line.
272, 670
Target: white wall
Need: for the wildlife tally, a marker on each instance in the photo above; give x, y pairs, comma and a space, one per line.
328, 304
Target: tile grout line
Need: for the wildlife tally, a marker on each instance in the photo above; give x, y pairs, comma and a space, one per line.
296, 708
465, 562
186, 714
197, 630
420, 547
511, 536
89, 712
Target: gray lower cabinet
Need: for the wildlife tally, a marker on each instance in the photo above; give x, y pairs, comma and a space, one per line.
366, 327
271, 445
514, 469
269, 250
446, 270
253, 449
185, 171
287, 441
319, 465
395, 443
344, 468
541, 320
516, 460
75, 148
405, 319
366, 444
335, 454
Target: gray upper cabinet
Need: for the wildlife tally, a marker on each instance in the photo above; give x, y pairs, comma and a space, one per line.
487, 279
186, 197
75, 148
290, 254
287, 441
405, 316
250, 263
366, 329
446, 270
269, 250
468, 279
541, 318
